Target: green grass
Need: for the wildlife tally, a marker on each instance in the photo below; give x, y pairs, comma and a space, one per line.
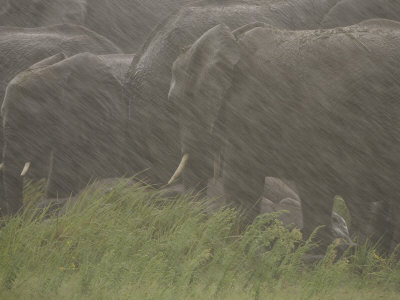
130, 243
341, 208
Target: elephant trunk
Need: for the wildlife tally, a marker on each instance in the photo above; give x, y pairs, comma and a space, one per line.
19, 155
13, 181
199, 150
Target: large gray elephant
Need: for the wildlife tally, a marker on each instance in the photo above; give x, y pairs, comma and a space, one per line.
125, 22
150, 74
70, 112
317, 107
22, 47
349, 12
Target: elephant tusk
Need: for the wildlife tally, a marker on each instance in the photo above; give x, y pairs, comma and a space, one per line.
180, 168
217, 162
26, 168
1, 166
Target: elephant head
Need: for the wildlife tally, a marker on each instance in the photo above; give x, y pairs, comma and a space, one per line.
200, 78
201, 81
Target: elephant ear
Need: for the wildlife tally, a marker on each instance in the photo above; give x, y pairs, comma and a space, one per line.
204, 73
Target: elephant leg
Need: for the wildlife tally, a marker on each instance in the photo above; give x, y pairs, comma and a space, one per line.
12, 182
317, 205
370, 212
138, 158
13, 190
385, 224
164, 149
361, 218
243, 184
396, 225
3, 203
197, 172
65, 177
393, 201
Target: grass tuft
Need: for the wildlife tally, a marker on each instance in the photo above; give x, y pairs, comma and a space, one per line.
130, 242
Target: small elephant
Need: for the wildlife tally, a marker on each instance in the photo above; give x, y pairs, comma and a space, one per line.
318, 107
69, 112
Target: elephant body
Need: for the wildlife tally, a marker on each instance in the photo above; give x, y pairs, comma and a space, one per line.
150, 74
68, 111
124, 22
316, 107
22, 47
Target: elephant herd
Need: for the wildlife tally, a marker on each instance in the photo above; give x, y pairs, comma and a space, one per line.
304, 90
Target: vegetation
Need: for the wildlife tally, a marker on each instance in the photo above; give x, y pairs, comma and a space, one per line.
130, 242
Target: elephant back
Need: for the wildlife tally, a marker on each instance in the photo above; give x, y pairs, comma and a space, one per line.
22, 47
349, 12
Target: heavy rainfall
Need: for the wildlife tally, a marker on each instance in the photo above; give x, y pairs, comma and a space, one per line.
242, 106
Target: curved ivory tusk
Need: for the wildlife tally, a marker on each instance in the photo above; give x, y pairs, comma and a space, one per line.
26, 168
180, 168
1, 166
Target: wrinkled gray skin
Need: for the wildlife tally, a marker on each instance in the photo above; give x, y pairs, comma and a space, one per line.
22, 47
349, 12
150, 74
317, 107
73, 109
125, 22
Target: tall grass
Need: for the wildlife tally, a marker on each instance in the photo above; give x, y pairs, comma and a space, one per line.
133, 243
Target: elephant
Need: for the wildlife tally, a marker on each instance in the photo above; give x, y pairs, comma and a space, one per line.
124, 22
349, 12
318, 107
68, 111
22, 47
148, 79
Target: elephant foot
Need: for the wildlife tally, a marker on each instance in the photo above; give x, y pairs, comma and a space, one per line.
323, 239
312, 259
50, 206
